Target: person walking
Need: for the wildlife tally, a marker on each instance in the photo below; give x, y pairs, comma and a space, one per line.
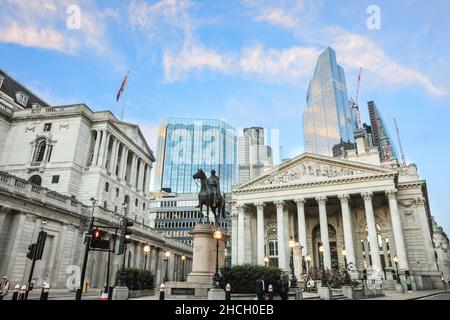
4, 287
260, 288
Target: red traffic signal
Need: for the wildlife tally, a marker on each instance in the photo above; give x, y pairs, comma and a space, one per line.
96, 240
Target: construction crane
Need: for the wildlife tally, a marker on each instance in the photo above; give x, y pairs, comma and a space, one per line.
355, 102
400, 143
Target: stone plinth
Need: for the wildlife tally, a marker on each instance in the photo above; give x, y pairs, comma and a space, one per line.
199, 281
324, 293
120, 293
216, 294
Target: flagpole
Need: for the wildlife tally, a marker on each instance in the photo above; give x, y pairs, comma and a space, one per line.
125, 97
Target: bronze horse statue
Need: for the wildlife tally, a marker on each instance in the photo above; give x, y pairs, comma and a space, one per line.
206, 197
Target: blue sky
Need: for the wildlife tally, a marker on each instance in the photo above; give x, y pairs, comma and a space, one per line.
246, 62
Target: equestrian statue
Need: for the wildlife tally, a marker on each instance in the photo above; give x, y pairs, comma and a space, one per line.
210, 196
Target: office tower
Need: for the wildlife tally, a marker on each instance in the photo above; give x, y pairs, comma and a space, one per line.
255, 158
186, 145
381, 137
328, 119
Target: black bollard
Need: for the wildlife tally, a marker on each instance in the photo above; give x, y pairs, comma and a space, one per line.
162, 290
45, 291
228, 292
16, 292
270, 289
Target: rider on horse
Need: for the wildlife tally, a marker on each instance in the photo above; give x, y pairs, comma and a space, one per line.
214, 185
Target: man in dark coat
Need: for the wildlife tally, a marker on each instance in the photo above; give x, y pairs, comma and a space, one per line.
260, 288
283, 287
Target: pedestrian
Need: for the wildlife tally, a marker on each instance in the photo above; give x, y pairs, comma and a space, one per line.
4, 287
283, 287
260, 288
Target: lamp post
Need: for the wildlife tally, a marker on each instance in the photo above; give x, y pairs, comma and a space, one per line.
308, 260
167, 254
344, 253
146, 251
217, 278
183, 259
324, 279
266, 261
396, 269
291, 264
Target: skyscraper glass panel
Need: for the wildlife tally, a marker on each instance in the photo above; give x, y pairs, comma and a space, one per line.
186, 145
328, 119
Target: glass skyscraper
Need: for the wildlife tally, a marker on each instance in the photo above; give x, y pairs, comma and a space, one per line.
186, 145
328, 119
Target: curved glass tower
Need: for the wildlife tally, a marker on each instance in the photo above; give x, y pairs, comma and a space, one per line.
328, 120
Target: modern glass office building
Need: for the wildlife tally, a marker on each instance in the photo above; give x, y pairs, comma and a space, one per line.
186, 145
328, 119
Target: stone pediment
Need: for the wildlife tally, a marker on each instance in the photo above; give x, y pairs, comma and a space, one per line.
310, 168
134, 133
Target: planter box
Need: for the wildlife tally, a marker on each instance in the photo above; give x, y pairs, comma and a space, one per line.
352, 293
140, 293
324, 293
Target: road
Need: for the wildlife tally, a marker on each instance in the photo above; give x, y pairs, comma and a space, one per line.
442, 296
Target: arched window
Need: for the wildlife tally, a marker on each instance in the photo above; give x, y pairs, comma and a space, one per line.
40, 151
36, 179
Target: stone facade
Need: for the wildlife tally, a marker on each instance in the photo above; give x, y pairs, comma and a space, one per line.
375, 210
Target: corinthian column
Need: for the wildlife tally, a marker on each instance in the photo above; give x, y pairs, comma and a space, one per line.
372, 230
324, 237
97, 147
398, 230
234, 234
301, 225
260, 231
281, 236
241, 234
347, 225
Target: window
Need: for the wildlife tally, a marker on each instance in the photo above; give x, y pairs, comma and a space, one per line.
1, 81
55, 179
105, 205
40, 151
106, 186
117, 192
21, 99
115, 208
273, 248
143, 206
37, 180
50, 150
47, 127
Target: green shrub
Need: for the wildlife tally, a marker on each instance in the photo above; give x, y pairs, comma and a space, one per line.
242, 278
135, 279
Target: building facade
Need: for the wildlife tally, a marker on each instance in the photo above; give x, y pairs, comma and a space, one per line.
328, 119
255, 157
53, 160
186, 145
372, 209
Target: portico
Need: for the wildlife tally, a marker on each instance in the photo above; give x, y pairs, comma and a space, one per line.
336, 203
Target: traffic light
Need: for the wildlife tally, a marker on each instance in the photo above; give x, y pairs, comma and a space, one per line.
125, 233
96, 240
31, 250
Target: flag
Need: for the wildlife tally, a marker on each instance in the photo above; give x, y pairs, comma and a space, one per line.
122, 87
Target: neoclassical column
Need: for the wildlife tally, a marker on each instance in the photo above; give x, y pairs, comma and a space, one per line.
348, 231
133, 169
97, 147
111, 156
324, 237
104, 149
123, 163
115, 158
147, 179
234, 234
372, 230
301, 225
241, 234
260, 231
281, 236
397, 230
141, 176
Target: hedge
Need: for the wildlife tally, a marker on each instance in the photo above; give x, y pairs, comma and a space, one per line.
242, 278
135, 279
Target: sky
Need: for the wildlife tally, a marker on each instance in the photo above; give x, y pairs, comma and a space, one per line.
243, 61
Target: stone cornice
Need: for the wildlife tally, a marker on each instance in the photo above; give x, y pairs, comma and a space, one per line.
291, 186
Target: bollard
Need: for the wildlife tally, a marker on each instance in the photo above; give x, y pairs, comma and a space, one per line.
228, 292
16, 292
45, 291
162, 290
270, 289
22, 292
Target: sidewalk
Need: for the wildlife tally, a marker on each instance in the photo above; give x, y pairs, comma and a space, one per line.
394, 295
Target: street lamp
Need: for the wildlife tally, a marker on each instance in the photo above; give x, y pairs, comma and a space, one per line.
324, 279
291, 264
308, 260
396, 268
183, 259
166, 278
266, 261
146, 251
344, 253
216, 278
